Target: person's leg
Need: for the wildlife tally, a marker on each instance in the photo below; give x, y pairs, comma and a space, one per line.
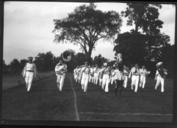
157, 82
141, 81
58, 81
86, 83
125, 82
136, 84
120, 85
30, 80
107, 84
62, 81
27, 80
162, 84
144, 82
132, 82
82, 81
103, 81
116, 87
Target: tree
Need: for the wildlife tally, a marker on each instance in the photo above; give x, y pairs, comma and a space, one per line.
22, 63
45, 61
85, 26
99, 60
15, 66
4, 66
144, 16
80, 58
132, 47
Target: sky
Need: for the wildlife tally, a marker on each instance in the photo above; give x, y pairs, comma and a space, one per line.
28, 28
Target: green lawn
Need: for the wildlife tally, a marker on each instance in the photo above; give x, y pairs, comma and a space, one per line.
10, 81
45, 102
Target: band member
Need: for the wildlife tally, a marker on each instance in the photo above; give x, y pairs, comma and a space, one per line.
134, 75
85, 77
29, 73
60, 70
113, 75
119, 79
91, 77
95, 76
106, 77
125, 75
143, 74
160, 76
100, 75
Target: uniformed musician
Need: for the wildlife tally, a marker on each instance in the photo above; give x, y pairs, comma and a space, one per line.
160, 75
29, 73
60, 70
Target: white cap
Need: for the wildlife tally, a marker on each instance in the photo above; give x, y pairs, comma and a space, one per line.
105, 64
159, 63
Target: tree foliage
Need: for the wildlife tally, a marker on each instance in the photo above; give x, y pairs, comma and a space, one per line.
45, 61
85, 26
144, 16
99, 60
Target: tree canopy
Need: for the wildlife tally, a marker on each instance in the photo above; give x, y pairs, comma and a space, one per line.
144, 16
85, 26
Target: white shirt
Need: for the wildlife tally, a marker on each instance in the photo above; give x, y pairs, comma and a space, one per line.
60, 69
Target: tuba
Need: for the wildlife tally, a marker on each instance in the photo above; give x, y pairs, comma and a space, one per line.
67, 55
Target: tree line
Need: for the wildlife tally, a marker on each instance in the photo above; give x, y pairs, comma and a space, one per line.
145, 44
47, 62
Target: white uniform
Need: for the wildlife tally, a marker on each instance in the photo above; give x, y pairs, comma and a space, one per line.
143, 73
91, 77
106, 79
134, 73
29, 72
60, 70
85, 78
95, 77
100, 76
125, 77
160, 79
112, 76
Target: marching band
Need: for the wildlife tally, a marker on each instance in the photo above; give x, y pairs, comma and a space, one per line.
104, 76
117, 76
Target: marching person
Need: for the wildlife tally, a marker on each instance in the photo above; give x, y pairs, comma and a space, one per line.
100, 75
119, 79
125, 75
29, 73
85, 77
106, 77
60, 70
143, 74
160, 76
95, 76
113, 74
134, 75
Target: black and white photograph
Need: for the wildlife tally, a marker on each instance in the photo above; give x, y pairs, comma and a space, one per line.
88, 61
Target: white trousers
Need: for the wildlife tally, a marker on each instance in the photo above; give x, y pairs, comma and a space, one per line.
134, 82
105, 83
84, 81
95, 80
29, 79
160, 81
142, 81
60, 81
125, 81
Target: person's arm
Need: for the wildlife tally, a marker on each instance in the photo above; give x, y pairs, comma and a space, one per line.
156, 74
35, 71
24, 71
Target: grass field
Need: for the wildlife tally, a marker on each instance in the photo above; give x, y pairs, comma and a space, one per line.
45, 102
10, 81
